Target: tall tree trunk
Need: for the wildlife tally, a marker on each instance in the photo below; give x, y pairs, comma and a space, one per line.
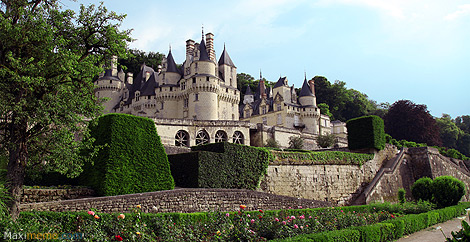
16, 168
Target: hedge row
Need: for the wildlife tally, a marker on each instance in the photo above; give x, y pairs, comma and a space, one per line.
388, 230
220, 165
366, 132
323, 158
132, 158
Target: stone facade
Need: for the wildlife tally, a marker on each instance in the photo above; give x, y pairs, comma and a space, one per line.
204, 89
180, 200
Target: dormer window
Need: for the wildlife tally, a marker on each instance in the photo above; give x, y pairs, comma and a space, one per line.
183, 85
278, 107
137, 96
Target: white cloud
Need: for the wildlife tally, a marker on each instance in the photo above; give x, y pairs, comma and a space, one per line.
463, 10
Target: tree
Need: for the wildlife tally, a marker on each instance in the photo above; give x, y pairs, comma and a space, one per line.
325, 109
48, 60
413, 122
137, 57
463, 122
448, 131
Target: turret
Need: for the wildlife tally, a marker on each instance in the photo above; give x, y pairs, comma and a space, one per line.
228, 71
306, 97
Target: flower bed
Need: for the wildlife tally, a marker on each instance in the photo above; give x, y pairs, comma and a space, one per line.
377, 222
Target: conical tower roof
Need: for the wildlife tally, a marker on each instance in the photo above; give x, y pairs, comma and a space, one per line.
203, 51
305, 91
171, 64
225, 59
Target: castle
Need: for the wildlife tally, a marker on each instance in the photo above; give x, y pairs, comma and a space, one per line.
198, 102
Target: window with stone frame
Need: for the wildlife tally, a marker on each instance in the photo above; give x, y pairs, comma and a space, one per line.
186, 102
278, 107
196, 97
263, 110
183, 85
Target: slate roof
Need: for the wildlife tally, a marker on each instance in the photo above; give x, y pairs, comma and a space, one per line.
149, 87
248, 91
305, 91
171, 64
225, 59
203, 56
281, 82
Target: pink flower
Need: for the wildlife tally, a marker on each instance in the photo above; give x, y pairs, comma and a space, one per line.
121, 216
301, 227
248, 215
276, 219
227, 214
284, 222
309, 216
295, 226
91, 213
292, 217
302, 217
252, 221
300, 206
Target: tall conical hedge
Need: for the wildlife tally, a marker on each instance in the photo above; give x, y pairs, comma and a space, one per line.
132, 158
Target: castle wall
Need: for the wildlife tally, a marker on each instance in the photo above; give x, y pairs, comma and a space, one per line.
337, 184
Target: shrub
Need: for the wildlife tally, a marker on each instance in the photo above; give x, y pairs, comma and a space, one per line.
401, 195
326, 141
4, 198
272, 143
422, 189
221, 165
447, 191
366, 132
132, 159
296, 142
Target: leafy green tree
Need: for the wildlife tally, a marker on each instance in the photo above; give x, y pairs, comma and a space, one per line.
448, 131
48, 60
406, 120
463, 122
463, 144
325, 109
137, 57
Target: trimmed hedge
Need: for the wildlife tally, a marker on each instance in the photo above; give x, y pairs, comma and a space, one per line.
220, 165
132, 158
323, 158
344, 235
366, 132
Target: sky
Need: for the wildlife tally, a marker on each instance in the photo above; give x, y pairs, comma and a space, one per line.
417, 50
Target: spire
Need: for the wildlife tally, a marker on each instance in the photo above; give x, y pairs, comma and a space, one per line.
203, 56
225, 59
170, 63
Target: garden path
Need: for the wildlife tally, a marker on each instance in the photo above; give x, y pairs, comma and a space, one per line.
432, 234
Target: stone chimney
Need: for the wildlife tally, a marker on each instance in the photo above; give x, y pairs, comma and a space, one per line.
210, 46
189, 48
130, 78
311, 83
114, 65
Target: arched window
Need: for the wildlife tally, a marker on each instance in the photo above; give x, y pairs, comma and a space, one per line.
202, 137
238, 137
220, 136
182, 138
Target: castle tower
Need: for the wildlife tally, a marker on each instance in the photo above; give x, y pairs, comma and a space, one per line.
171, 74
205, 85
249, 97
282, 88
228, 71
109, 86
306, 97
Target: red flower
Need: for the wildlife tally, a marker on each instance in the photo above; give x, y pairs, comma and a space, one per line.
118, 238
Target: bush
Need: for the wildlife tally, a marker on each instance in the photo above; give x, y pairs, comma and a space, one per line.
220, 165
447, 191
366, 132
422, 189
326, 141
132, 159
296, 143
401, 196
272, 143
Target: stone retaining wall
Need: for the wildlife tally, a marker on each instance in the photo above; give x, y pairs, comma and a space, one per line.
185, 200
47, 195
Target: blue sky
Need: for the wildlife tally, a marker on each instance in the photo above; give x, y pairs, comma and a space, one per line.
390, 50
